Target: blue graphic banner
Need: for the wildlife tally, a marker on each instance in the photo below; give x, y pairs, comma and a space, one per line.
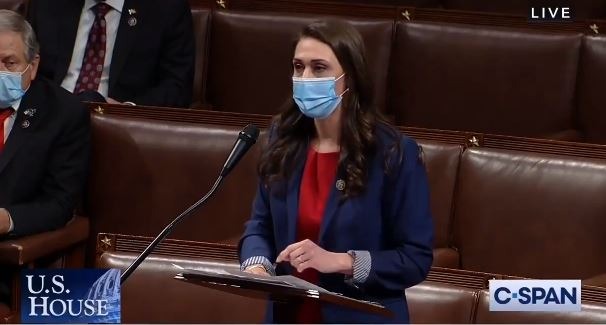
70, 296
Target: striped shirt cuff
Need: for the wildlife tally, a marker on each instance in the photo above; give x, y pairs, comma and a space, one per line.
259, 260
361, 267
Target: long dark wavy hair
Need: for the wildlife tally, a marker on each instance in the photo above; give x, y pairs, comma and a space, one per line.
291, 130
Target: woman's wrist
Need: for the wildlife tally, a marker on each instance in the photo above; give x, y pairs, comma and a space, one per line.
345, 263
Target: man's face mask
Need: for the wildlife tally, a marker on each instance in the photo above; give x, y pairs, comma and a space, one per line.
10, 87
316, 97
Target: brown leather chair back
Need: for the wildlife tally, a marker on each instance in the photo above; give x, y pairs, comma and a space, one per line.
591, 94
440, 303
478, 78
442, 164
145, 172
530, 214
250, 65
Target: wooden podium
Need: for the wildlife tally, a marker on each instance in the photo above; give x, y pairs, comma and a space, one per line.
288, 290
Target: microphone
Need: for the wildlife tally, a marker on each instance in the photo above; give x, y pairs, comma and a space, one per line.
246, 139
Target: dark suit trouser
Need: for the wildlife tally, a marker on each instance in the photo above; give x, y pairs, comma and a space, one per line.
5, 285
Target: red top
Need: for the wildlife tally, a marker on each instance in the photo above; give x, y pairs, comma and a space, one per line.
317, 182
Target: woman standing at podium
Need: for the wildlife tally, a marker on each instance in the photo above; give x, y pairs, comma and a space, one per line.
343, 199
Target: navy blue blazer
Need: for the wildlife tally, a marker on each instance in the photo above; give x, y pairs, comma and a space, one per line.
391, 220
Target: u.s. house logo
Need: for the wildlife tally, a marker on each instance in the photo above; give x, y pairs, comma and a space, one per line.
70, 296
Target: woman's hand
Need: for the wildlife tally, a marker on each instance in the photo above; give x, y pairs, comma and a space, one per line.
257, 270
307, 254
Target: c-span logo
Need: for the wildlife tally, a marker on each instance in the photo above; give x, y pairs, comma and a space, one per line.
535, 295
70, 296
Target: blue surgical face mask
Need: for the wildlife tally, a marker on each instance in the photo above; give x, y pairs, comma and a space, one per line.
10, 87
316, 97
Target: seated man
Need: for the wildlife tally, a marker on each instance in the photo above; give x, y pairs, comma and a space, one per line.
45, 142
137, 51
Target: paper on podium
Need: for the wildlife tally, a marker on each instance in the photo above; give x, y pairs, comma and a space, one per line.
279, 288
281, 280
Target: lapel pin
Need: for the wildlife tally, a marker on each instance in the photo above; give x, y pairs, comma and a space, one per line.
30, 112
132, 21
132, 11
25, 124
340, 184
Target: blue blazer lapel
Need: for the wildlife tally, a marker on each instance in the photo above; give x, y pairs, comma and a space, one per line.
292, 200
332, 205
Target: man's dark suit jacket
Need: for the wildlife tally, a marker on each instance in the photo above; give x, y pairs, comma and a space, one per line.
153, 61
45, 161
